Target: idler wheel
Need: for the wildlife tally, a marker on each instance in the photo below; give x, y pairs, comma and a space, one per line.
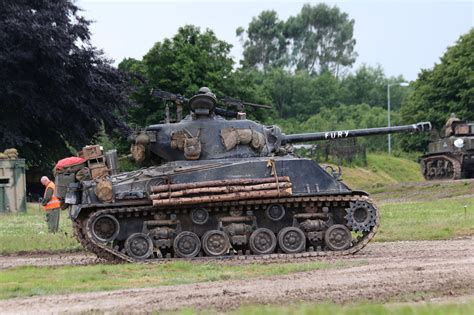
199, 216
361, 216
105, 228
338, 237
215, 243
291, 240
187, 245
262, 241
139, 246
275, 212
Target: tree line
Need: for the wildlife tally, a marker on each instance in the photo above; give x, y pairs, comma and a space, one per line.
58, 92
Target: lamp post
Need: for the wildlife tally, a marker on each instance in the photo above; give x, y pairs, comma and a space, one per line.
388, 110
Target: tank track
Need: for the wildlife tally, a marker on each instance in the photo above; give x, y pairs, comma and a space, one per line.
456, 164
83, 233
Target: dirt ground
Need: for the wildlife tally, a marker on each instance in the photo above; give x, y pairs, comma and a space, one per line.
398, 271
73, 259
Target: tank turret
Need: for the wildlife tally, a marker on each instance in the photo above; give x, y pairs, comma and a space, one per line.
452, 155
205, 135
221, 185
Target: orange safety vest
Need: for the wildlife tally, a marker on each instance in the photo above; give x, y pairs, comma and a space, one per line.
54, 202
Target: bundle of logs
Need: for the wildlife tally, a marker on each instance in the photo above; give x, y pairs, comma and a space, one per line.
220, 190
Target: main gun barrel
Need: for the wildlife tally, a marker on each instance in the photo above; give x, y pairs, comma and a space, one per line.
341, 134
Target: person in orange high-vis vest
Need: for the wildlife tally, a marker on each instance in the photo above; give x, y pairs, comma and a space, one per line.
51, 205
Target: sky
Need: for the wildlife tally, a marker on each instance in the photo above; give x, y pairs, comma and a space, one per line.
402, 36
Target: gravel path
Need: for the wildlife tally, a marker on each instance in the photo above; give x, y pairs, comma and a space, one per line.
397, 270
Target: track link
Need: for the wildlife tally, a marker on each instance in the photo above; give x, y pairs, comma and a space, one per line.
105, 251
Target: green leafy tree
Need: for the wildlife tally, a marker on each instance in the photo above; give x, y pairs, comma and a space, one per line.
344, 117
368, 85
321, 39
56, 90
279, 86
182, 64
300, 94
447, 88
265, 45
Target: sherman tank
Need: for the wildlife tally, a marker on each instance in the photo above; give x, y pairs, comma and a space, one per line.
219, 185
452, 155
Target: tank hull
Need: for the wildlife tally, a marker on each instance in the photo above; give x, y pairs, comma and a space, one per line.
443, 166
220, 208
445, 160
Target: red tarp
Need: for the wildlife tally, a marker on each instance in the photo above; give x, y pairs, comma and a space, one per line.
73, 160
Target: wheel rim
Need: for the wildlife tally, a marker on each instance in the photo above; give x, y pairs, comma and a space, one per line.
187, 245
291, 240
199, 216
361, 215
275, 212
139, 246
215, 243
262, 241
105, 228
338, 237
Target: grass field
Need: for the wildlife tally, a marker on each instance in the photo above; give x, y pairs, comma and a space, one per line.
427, 220
423, 191
381, 170
28, 232
29, 281
355, 309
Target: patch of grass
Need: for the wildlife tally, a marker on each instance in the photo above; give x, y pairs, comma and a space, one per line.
354, 309
422, 191
381, 170
28, 231
29, 281
427, 220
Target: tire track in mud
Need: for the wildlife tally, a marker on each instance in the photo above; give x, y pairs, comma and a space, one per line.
393, 270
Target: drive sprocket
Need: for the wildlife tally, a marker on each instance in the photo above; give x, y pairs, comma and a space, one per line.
361, 216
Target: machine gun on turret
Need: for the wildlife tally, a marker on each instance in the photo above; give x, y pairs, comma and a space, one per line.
239, 105
179, 100
167, 97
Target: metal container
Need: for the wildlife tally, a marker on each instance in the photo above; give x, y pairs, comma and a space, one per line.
73, 193
111, 158
62, 181
12, 186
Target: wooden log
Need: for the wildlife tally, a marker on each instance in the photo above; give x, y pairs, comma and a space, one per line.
220, 189
215, 183
223, 197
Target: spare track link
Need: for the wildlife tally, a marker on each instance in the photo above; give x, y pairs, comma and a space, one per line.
104, 251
